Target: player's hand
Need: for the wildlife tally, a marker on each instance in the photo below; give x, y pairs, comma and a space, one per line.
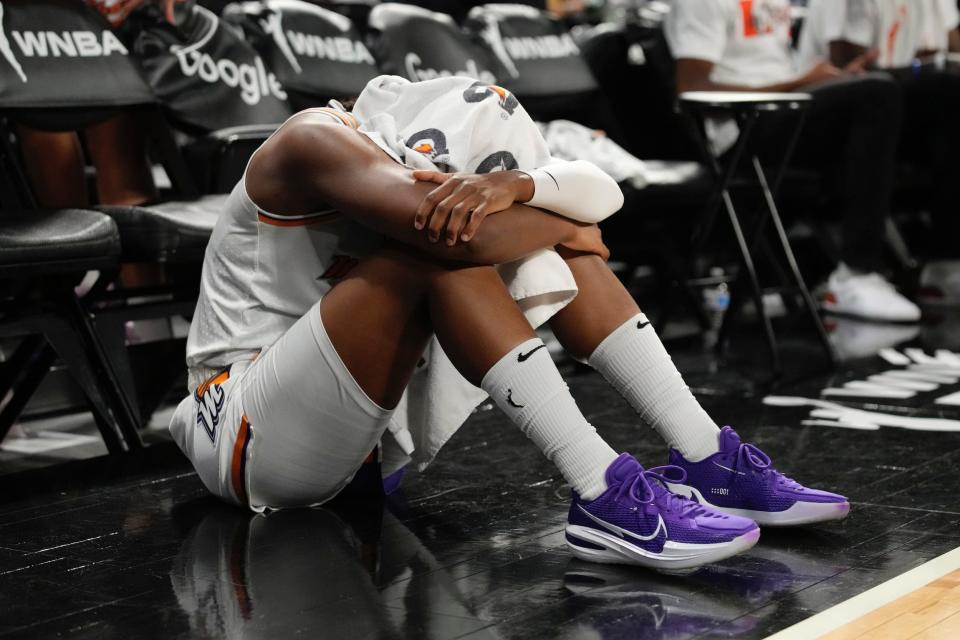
586, 238
860, 64
457, 207
822, 72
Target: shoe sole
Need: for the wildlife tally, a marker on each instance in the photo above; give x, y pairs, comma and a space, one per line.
610, 549
799, 514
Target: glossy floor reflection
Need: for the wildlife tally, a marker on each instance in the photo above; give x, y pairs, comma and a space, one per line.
474, 547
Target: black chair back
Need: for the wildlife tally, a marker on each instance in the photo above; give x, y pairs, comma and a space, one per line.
635, 70
60, 61
316, 53
543, 64
203, 72
357, 10
541, 57
421, 45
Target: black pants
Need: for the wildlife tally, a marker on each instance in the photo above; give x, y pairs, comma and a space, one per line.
931, 142
851, 135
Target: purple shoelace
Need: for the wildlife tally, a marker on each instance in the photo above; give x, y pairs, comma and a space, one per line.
641, 482
752, 457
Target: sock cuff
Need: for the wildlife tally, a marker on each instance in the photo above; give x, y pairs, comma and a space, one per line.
517, 354
614, 338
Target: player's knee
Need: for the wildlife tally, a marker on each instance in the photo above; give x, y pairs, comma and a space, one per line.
474, 278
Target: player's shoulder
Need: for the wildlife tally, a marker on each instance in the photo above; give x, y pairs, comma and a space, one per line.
311, 138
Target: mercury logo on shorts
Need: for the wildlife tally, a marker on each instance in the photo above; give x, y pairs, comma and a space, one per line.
209, 398
480, 91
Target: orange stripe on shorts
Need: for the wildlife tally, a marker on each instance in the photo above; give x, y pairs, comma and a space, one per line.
220, 378
240, 461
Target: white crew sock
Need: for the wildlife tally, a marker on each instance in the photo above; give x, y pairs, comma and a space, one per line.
526, 385
634, 361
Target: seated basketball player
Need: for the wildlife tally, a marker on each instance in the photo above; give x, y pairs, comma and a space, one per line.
339, 283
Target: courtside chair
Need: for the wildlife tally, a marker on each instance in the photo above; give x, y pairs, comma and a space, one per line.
218, 94
65, 93
419, 44
317, 54
43, 256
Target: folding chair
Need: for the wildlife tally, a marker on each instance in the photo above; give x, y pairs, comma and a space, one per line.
747, 109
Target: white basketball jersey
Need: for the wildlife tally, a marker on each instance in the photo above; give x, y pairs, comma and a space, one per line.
261, 272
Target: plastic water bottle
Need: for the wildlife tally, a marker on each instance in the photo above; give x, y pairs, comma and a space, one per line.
716, 301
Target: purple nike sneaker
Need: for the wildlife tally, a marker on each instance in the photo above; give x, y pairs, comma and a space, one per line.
740, 480
638, 521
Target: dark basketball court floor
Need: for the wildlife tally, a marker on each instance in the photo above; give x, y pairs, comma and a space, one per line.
474, 547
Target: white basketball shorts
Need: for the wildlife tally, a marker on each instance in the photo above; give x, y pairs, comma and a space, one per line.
289, 429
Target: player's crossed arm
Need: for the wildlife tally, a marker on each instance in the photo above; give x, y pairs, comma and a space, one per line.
312, 163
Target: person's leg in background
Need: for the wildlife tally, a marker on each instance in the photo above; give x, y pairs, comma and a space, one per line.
931, 142
857, 120
53, 161
604, 326
118, 150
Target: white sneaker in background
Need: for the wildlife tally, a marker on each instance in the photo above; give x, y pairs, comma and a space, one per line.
866, 295
940, 283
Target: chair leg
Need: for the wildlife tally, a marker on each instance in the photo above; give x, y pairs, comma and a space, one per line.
754, 281
89, 356
112, 336
808, 302
69, 345
899, 246
20, 358
32, 361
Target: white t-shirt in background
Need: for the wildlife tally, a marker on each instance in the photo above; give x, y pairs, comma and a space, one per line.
941, 17
824, 24
748, 41
900, 28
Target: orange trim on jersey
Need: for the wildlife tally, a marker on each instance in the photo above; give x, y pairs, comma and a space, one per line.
239, 461
346, 118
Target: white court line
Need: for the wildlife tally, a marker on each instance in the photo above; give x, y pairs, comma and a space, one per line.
894, 357
859, 606
901, 383
868, 392
952, 399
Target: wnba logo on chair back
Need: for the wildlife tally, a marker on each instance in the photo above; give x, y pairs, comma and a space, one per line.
55, 44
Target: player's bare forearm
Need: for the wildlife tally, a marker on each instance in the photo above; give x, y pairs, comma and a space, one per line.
310, 164
389, 203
